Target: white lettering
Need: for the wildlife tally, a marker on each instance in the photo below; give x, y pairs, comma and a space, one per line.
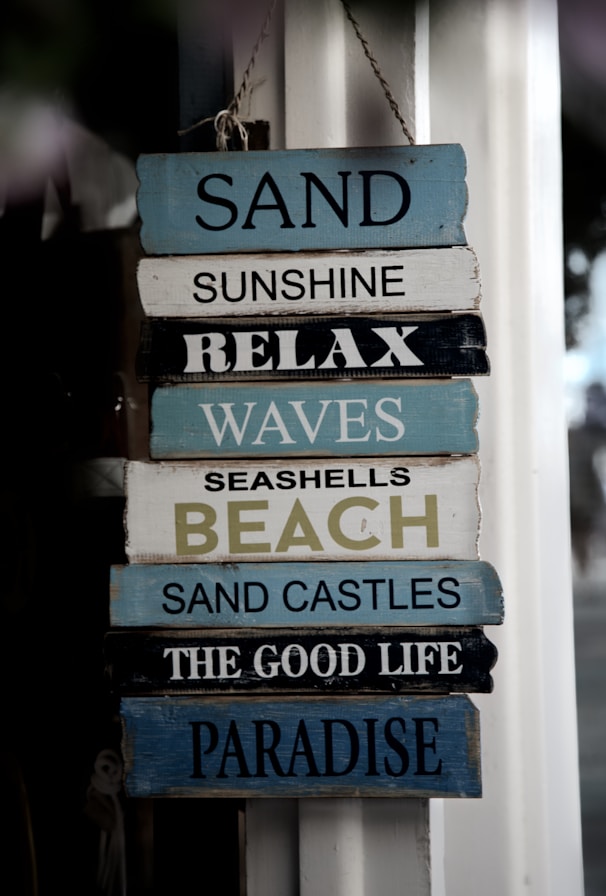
229, 421
209, 344
345, 420
345, 346
280, 426
395, 339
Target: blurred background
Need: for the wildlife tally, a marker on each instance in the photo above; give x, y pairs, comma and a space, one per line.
85, 86
583, 67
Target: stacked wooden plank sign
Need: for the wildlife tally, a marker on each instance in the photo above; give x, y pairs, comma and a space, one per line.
302, 611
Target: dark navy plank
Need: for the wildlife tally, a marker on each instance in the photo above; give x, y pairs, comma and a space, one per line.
392, 197
316, 420
301, 661
193, 595
303, 348
254, 747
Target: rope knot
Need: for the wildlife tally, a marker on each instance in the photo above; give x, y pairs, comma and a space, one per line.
226, 121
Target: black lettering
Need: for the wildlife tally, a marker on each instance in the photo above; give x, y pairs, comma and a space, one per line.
248, 605
194, 601
237, 481
356, 601
270, 291
397, 746
399, 476
341, 211
222, 594
417, 593
354, 747
216, 200
299, 287
314, 477
263, 749
302, 737
392, 600
367, 220
356, 275
262, 480
279, 204
211, 289
423, 744
373, 583
351, 480
371, 769
373, 479
226, 295
286, 597
286, 479
454, 594
315, 281
178, 600
233, 737
385, 280
197, 745
322, 589
213, 482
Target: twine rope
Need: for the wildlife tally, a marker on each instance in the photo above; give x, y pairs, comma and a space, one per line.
376, 69
228, 120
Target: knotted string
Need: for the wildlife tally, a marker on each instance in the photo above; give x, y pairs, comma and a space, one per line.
105, 786
375, 67
228, 120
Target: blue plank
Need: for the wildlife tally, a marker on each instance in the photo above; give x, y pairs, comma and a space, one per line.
200, 595
315, 420
393, 197
395, 747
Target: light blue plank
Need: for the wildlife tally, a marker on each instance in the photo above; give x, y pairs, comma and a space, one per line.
393, 197
402, 746
314, 420
201, 595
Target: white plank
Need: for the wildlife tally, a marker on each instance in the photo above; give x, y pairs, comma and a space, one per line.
404, 508
202, 286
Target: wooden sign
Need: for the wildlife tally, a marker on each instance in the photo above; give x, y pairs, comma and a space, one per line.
399, 508
321, 419
213, 595
295, 348
293, 200
251, 747
400, 280
301, 661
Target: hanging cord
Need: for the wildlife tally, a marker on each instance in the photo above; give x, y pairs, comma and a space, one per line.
228, 120
105, 808
375, 67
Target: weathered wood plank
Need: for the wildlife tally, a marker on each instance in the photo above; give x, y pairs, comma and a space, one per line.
292, 200
303, 348
404, 509
356, 592
380, 282
400, 746
321, 419
301, 661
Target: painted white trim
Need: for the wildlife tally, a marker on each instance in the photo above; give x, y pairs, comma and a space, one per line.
331, 97
495, 88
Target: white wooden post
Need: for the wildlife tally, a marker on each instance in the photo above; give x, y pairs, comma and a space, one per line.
494, 75
332, 98
483, 73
